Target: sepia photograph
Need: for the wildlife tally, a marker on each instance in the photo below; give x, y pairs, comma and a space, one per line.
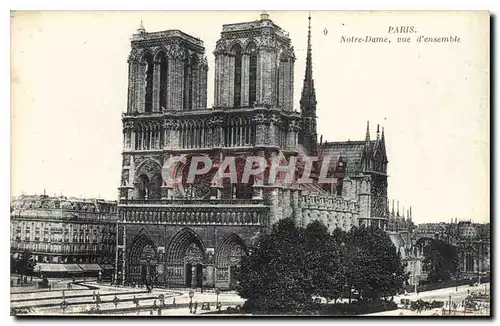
250, 163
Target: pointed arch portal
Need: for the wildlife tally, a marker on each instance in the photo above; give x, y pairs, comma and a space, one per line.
185, 259
142, 258
228, 258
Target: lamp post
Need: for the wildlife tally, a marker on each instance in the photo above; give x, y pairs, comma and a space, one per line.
191, 294
217, 291
449, 305
161, 297
202, 278
64, 304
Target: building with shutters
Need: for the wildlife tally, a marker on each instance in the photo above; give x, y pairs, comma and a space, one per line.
67, 236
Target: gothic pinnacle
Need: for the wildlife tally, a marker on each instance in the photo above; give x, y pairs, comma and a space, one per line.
367, 137
141, 28
308, 98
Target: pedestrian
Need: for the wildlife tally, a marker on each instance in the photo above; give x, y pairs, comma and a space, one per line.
173, 302
195, 306
93, 296
151, 312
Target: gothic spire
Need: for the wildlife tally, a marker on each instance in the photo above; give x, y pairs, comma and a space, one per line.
383, 136
367, 137
308, 98
378, 131
308, 135
141, 28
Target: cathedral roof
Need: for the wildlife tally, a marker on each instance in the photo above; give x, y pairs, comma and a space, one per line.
350, 151
312, 189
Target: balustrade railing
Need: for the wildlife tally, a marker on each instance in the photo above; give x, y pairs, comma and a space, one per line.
196, 215
191, 202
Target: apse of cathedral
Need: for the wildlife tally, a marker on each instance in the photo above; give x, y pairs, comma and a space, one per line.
193, 233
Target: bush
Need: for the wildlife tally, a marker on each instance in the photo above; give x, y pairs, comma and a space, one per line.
425, 305
428, 286
44, 283
359, 307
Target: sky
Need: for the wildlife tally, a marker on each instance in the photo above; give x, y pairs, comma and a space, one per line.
69, 87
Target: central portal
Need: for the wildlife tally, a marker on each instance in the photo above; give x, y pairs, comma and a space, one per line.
185, 260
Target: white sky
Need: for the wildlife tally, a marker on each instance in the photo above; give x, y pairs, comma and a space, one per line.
69, 87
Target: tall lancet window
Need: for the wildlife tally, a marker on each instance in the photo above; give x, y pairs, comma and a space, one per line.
252, 85
280, 80
148, 82
188, 86
163, 81
237, 74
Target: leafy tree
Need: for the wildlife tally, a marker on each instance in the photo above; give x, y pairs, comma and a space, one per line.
353, 261
25, 263
274, 277
12, 264
440, 259
324, 261
290, 265
373, 266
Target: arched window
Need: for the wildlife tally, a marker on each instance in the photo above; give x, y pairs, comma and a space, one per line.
155, 187
143, 187
252, 85
148, 83
280, 80
163, 81
237, 74
188, 86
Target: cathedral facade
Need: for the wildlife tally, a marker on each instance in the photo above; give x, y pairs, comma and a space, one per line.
192, 234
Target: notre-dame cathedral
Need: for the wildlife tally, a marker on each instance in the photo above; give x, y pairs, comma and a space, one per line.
193, 234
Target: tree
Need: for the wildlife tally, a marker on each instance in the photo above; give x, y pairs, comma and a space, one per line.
12, 264
440, 259
274, 276
323, 260
374, 263
289, 265
25, 263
